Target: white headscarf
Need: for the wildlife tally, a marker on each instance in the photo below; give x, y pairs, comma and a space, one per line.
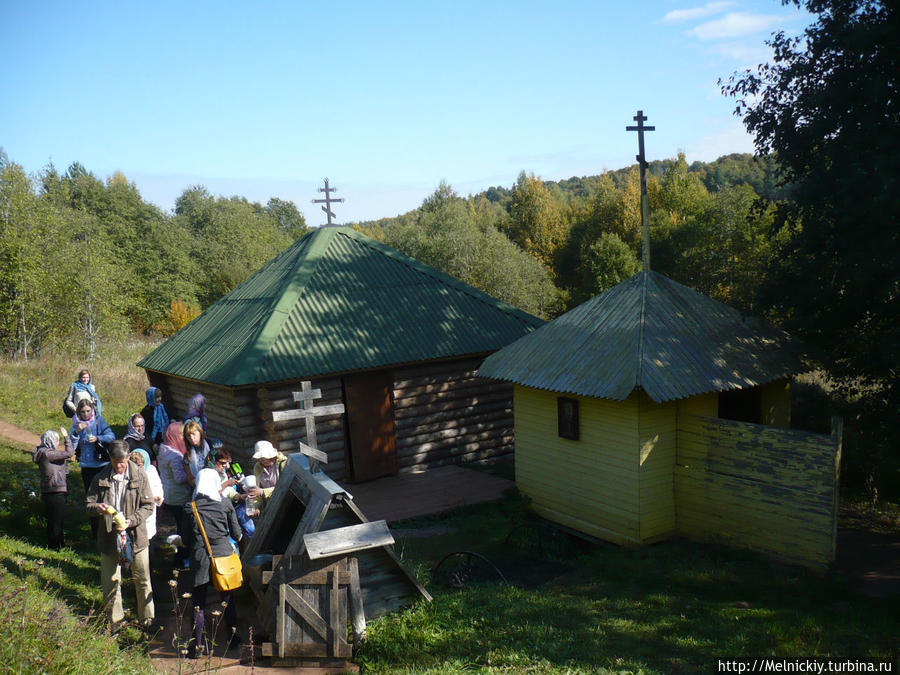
208, 483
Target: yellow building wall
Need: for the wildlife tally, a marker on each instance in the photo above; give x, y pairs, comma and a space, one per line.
704, 405
657, 428
658, 434
775, 401
592, 484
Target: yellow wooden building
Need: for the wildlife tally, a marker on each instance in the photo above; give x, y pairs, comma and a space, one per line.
632, 408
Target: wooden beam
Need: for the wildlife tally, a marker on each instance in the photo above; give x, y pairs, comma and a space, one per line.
357, 610
307, 611
313, 453
348, 539
300, 413
336, 626
311, 521
272, 512
306, 395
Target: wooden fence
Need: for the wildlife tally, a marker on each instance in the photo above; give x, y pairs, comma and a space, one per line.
765, 488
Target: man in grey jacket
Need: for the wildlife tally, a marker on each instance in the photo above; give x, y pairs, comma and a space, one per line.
125, 487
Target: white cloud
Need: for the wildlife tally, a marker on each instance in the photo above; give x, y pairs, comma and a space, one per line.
748, 55
677, 15
735, 24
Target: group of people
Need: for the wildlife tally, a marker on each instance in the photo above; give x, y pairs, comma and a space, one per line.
159, 462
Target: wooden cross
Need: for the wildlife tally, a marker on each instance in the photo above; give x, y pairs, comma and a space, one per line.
640, 118
308, 412
327, 201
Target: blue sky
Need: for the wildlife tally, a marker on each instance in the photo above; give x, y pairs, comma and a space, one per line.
386, 99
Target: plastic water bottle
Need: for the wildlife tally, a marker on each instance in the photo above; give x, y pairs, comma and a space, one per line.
251, 506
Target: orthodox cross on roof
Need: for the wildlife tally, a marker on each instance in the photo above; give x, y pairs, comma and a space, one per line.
308, 412
640, 118
328, 201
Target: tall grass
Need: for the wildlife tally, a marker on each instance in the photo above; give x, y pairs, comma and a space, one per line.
50, 600
39, 633
32, 392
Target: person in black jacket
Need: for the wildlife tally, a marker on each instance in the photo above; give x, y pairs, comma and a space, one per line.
221, 525
135, 436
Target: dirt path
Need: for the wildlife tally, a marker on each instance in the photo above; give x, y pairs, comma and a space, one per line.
17, 435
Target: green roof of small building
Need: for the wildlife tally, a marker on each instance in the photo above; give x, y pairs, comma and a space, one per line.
337, 301
648, 333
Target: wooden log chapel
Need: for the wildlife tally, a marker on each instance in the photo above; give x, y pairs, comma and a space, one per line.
394, 341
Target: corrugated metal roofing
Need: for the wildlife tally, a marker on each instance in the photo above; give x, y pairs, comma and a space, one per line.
648, 333
336, 301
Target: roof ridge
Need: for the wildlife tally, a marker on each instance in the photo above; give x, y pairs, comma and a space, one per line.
428, 270
284, 300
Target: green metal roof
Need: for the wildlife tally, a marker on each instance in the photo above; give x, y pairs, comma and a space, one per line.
648, 333
336, 301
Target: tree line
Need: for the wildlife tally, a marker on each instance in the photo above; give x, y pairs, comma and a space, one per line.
548, 246
84, 260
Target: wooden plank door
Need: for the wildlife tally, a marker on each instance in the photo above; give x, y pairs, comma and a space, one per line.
372, 443
311, 609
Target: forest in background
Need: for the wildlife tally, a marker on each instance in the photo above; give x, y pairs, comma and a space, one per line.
547, 246
85, 260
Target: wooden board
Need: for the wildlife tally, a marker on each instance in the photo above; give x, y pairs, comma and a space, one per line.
348, 539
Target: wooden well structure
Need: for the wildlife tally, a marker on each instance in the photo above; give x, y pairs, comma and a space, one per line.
328, 563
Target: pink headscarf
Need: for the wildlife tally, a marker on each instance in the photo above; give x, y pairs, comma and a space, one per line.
174, 439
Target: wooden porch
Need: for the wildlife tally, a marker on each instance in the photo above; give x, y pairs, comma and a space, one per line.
426, 493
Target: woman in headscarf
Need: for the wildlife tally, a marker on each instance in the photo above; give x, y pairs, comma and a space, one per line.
89, 432
141, 458
220, 523
176, 487
197, 411
135, 436
83, 387
197, 450
54, 486
156, 419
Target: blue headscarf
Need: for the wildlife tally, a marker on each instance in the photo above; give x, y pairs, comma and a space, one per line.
90, 390
160, 416
145, 456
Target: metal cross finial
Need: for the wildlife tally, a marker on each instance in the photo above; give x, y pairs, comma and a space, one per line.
328, 201
640, 118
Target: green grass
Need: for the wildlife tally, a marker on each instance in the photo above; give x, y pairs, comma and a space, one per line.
578, 608
49, 600
31, 392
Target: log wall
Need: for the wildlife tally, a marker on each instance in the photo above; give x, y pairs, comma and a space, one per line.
232, 413
444, 414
